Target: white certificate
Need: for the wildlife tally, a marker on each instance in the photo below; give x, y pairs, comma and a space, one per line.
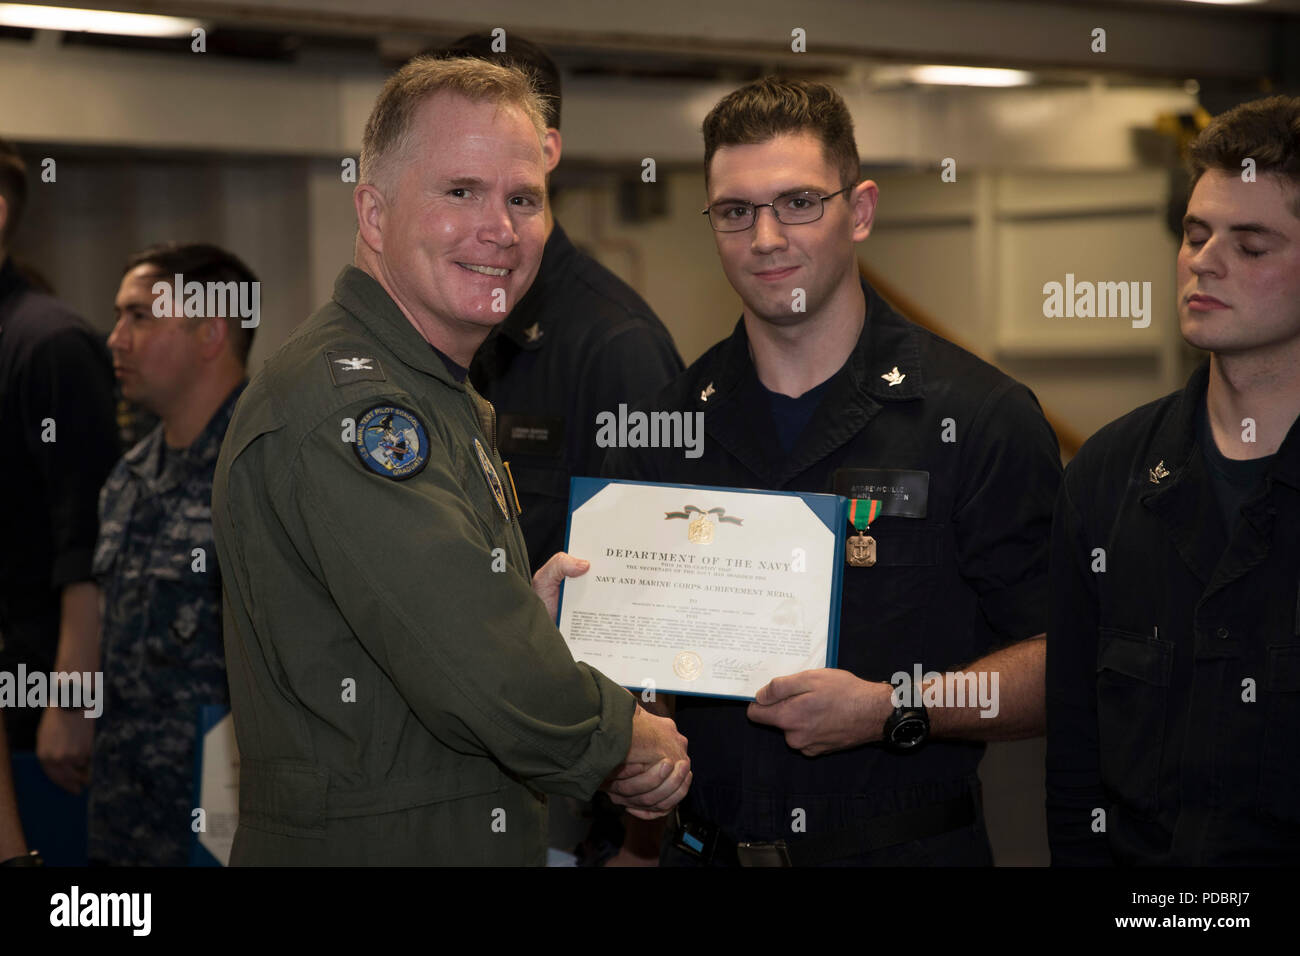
706, 591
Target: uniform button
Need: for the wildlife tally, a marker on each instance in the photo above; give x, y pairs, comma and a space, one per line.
1223, 633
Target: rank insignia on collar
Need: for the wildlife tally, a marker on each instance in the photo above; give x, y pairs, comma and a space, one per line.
707, 393
533, 332
392, 442
1158, 472
493, 480
894, 376
356, 364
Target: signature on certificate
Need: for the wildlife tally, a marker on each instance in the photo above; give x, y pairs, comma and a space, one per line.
736, 666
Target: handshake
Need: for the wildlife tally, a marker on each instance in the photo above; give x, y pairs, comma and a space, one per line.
656, 773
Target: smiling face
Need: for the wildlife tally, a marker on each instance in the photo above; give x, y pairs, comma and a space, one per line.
463, 217
1239, 265
768, 262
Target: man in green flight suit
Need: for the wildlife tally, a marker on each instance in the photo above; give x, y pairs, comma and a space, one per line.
400, 693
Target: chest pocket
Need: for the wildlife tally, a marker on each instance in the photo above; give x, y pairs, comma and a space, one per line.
493, 502
534, 446
540, 482
908, 532
898, 594
183, 601
533, 438
487, 485
1133, 673
183, 629
901, 546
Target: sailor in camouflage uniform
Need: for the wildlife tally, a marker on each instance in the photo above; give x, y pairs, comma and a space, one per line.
157, 565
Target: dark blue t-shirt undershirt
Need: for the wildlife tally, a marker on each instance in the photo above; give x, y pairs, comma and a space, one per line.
1234, 480
791, 415
456, 371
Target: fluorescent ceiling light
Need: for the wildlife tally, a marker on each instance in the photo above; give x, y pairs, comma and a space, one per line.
954, 76
73, 20
1227, 2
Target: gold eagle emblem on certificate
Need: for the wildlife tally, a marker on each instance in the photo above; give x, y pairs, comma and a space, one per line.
700, 531
701, 528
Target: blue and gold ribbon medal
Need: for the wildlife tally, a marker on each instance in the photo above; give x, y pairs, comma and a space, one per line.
860, 549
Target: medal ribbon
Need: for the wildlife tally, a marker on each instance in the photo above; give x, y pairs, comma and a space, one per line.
861, 519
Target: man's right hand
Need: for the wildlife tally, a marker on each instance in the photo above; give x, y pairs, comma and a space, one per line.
656, 773
64, 740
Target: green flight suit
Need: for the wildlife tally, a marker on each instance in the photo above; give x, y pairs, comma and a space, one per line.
399, 696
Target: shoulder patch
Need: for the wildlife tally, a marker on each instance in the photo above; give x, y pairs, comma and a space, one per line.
392, 442
348, 367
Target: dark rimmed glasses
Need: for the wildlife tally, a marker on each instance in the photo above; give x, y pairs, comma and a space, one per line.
792, 209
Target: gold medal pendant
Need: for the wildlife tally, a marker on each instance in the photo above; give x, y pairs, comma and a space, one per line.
861, 550
700, 531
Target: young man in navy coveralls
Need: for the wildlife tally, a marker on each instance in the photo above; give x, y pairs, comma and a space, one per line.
823, 387
1173, 682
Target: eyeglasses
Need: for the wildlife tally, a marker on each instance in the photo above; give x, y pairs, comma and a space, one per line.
792, 209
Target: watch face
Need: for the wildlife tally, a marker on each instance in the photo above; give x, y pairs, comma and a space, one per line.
909, 732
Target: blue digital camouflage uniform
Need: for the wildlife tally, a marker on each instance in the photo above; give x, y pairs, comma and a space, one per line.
162, 653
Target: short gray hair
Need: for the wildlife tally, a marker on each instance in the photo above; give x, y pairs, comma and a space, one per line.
388, 130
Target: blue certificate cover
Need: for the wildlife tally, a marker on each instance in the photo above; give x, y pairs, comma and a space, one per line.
216, 783
702, 590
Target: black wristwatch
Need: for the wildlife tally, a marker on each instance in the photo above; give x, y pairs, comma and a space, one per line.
906, 730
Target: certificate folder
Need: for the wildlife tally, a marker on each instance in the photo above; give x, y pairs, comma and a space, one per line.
702, 590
